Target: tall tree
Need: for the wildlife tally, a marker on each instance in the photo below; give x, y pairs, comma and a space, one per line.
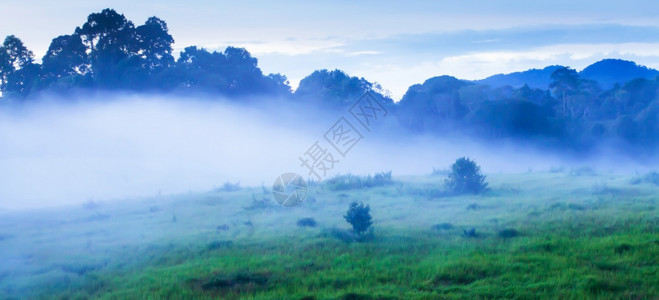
66, 56
198, 68
155, 44
112, 42
241, 71
333, 88
565, 82
17, 69
100, 25
434, 105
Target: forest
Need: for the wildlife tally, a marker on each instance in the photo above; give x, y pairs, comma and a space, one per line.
611, 103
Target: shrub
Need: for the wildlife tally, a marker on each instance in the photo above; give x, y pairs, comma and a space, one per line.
359, 217
470, 232
306, 222
381, 178
622, 248
229, 187
349, 181
442, 226
508, 233
465, 177
259, 203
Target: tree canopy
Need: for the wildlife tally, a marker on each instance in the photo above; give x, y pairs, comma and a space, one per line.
555, 106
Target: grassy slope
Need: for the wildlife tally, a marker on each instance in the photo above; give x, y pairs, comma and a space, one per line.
580, 237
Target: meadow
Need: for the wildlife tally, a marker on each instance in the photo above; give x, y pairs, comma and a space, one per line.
559, 234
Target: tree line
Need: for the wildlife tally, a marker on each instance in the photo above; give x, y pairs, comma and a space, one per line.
108, 52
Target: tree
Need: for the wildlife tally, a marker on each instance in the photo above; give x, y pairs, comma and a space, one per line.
336, 89
148, 59
112, 41
155, 44
108, 51
66, 57
627, 129
200, 69
517, 118
17, 69
565, 82
465, 177
101, 25
232, 72
359, 217
242, 72
278, 84
17, 54
6, 68
434, 105
648, 124
22, 81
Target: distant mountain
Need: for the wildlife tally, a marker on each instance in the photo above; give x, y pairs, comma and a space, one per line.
608, 72
534, 78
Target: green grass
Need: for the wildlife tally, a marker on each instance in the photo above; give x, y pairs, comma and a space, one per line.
578, 237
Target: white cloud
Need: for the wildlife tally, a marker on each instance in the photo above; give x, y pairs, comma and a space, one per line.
367, 52
398, 74
482, 64
292, 48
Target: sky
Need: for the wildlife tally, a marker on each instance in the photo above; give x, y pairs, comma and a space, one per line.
396, 44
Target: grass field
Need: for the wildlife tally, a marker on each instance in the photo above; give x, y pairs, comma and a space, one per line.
539, 235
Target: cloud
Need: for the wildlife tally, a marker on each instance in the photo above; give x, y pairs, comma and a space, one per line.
365, 52
398, 61
291, 47
482, 64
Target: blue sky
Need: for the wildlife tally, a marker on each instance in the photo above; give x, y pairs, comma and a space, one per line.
394, 43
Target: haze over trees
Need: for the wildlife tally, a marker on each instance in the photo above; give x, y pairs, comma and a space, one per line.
612, 101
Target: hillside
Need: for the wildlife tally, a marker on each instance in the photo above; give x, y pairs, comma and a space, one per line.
606, 72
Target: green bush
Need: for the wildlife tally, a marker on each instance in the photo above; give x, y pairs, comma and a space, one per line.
465, 177
359, 217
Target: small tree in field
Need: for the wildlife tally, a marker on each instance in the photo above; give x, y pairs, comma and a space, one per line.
465, 177
359, 217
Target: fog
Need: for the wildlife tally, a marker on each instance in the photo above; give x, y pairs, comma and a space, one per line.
69, 151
